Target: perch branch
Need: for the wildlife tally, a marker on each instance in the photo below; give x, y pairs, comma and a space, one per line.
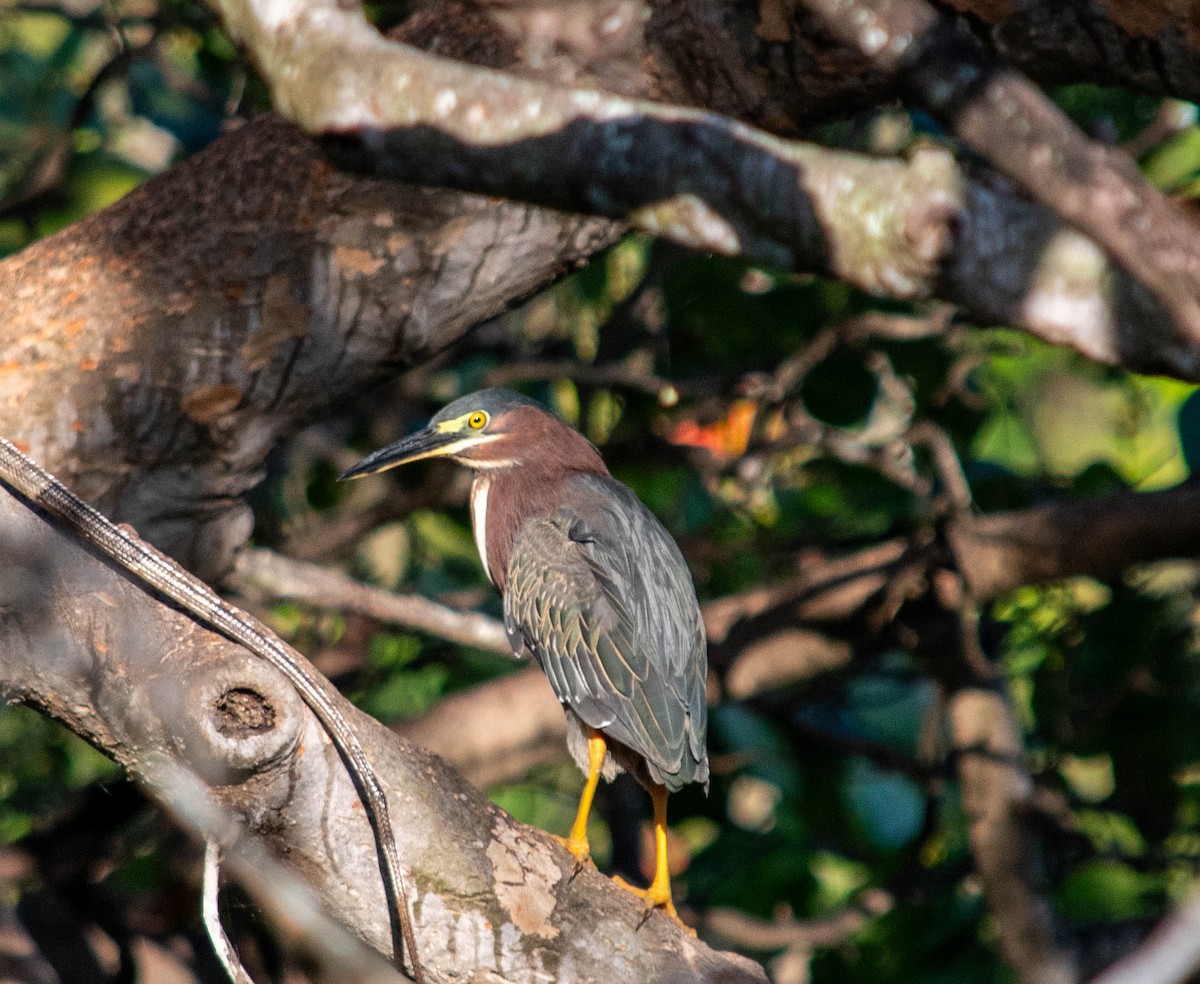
164, 576
154, 689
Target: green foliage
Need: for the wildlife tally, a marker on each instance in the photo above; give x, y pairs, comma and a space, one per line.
41, 765
1121, 113
396, 688
1108, 890
1055, 415
94, 103
824, 791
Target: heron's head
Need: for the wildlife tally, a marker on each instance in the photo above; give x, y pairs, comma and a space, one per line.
489, 429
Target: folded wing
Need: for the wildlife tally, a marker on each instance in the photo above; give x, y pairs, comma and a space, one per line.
600, 594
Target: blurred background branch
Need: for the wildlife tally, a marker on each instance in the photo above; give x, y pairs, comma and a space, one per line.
948, 570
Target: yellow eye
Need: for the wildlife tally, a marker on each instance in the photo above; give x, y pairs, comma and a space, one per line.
478, 420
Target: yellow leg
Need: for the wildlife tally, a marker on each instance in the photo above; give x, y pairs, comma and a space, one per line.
658, 895
576, 842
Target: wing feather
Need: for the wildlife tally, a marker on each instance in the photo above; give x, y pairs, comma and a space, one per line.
599, 593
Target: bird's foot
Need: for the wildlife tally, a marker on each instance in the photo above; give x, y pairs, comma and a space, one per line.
657, 896
580, 850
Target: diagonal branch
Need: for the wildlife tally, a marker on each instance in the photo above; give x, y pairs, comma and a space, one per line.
160, 693
902, 229
311, 584
159, 573
1170, 956
1013, 125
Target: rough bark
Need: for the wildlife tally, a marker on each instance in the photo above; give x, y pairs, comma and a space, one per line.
150, 687
776, 66
909, 230
156, 352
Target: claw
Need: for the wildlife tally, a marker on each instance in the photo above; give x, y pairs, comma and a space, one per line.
580, 850
657, 896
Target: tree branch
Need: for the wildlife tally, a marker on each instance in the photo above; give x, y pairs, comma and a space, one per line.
182, 333
996, 794
1002, 551
147, 685
1170, 956
905, 230
1094, 187
258, 571
720, 56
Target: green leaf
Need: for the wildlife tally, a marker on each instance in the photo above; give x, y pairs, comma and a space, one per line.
1106, 890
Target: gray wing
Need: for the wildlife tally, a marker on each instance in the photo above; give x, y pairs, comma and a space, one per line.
600, 594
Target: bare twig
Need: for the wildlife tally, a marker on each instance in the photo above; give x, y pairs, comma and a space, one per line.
1173, 116
283, 895
211, 912
282, 577
946, 462
1170, 956
785, 930
872, 446
896, 327
796, 938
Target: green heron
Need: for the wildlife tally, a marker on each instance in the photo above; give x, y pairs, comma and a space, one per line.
593, 586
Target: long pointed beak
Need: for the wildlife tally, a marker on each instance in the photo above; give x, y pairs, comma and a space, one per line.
427, 443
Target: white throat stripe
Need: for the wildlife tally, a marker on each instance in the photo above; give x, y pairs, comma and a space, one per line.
479, 497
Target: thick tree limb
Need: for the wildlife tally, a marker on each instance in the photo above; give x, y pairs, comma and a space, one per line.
210, 313
144, 683
897, 229
159, 574
1094, 187
153, 354
725, 57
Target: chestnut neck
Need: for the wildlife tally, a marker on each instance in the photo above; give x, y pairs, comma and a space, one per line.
532, 488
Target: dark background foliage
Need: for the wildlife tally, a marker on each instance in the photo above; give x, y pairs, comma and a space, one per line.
772, 421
